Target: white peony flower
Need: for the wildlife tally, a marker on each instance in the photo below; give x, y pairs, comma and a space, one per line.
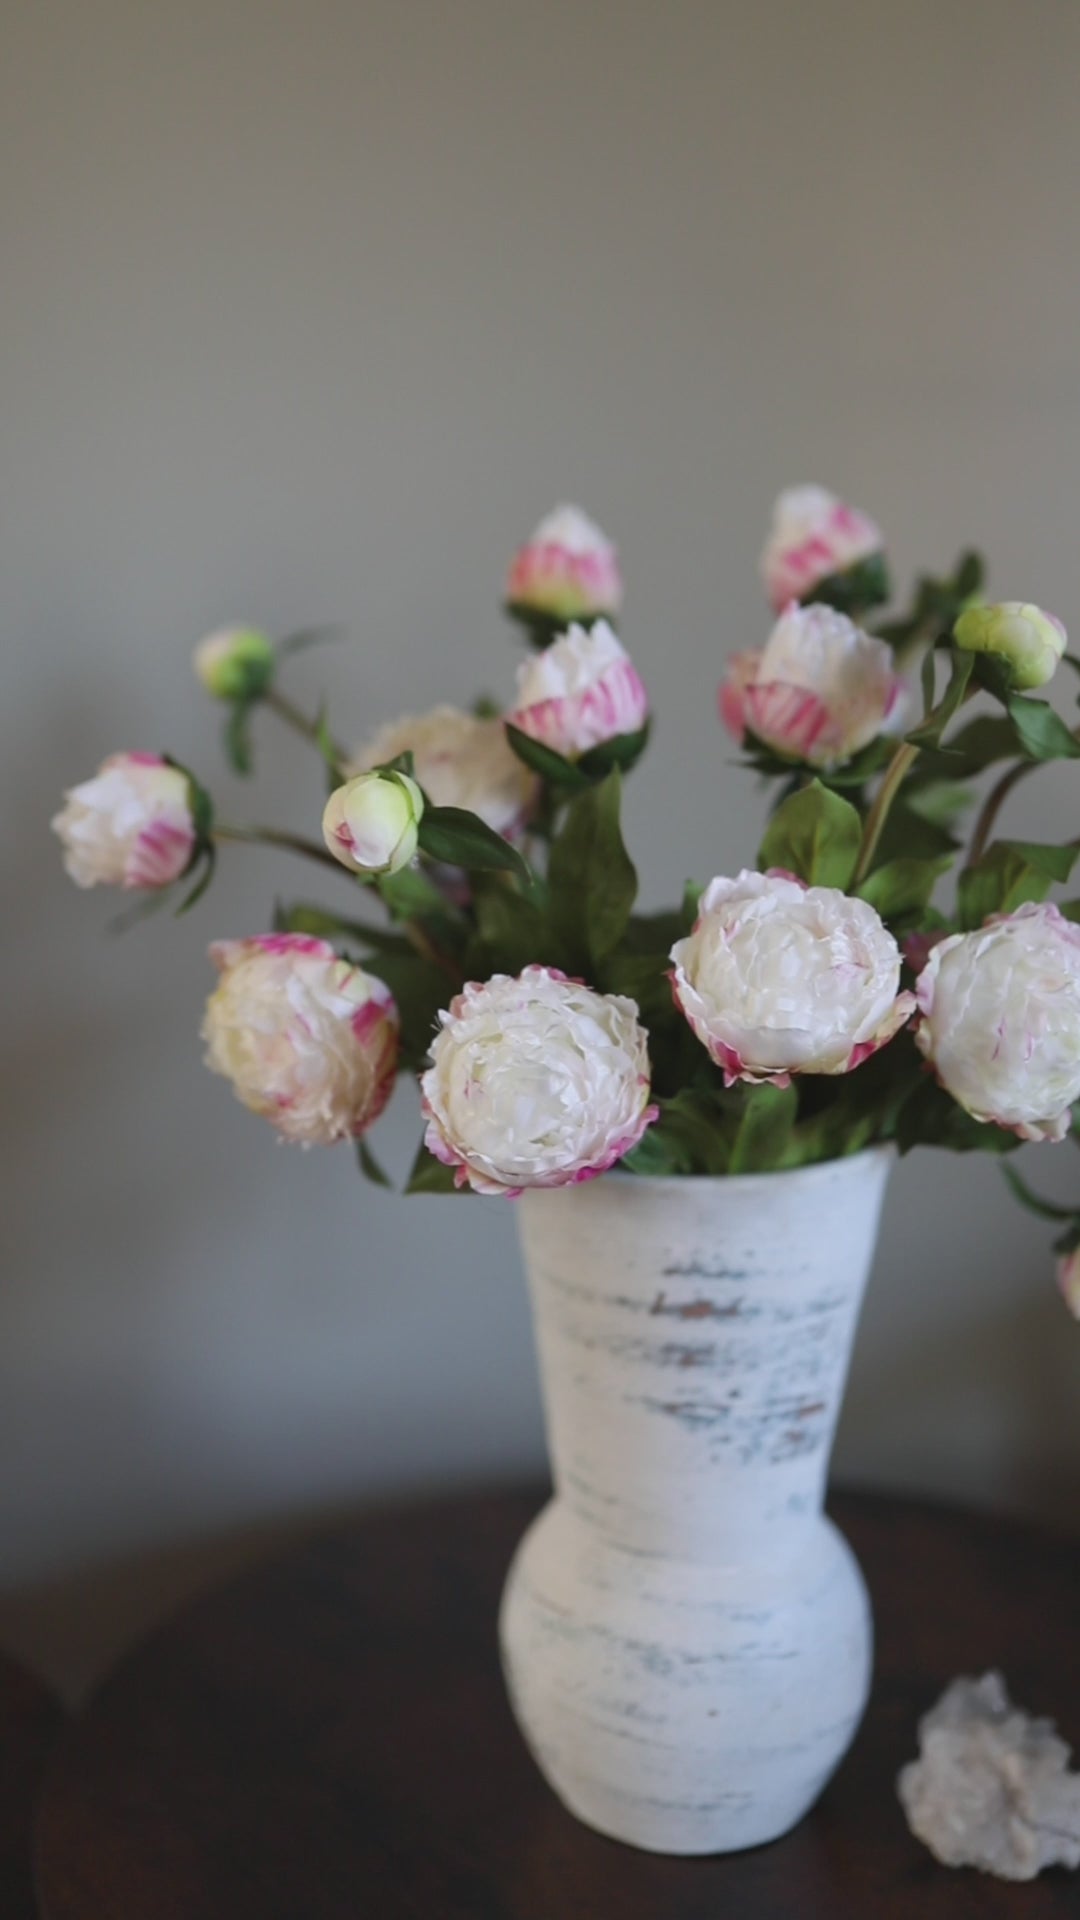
818, 691
236, 663
307, 1040
779, 978
1001, 1020
130, 826
567, 570
371, 824
460, 761
580, 691
535, 1082
813, 536
1028, 641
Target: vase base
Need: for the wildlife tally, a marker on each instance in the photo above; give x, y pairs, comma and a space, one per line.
681, 1708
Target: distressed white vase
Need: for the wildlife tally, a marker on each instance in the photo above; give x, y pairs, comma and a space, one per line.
686, 1638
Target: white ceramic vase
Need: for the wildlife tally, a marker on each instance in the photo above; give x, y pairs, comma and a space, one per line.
686, 1638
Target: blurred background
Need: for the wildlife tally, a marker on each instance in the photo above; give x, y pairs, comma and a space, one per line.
310, 312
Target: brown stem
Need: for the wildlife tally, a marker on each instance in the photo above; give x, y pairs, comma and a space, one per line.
991, 807
277, 837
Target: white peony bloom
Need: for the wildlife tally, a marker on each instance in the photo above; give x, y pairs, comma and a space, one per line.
1028, 641
235, 663
818, 691
813, 535
780, 978
371, 824
460, 761
130, 826
1001, 1020
1068, 1279
567, 570
535, 1082
581, 691
307, 1040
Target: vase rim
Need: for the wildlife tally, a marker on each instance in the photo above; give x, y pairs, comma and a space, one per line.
882, 1150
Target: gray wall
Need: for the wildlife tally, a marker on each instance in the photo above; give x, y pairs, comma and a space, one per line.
309, 311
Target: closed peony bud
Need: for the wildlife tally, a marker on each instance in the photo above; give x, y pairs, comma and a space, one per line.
460, 761
779, 978
1068, 1279
371, 823
130, 826
307, 1040
567, 570
1001, 1020
814, 536
581, 691
236, 663
1028, 641
535, 1082
818, 691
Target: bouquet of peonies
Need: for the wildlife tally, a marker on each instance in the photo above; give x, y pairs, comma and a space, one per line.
791, 1013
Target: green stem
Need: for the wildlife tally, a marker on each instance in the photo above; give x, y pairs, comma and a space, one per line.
902, 759
294, 717
277, 837
991, 807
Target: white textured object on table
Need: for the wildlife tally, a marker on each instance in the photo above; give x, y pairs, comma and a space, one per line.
991, 1788
686, 1637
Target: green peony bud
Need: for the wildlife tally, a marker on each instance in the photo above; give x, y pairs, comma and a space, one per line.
1028, 641
371, 824
235, 664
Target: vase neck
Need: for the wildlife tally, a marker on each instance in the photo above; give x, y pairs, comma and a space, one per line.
694, 1340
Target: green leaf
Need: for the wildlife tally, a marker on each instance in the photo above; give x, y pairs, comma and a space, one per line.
512, 931
327, 745
907, 835
1041, 732
856, 589
1010, 873
236, 739
1070, 909
461, 839
815, 835
1046, 1209
932, 1118
551, 766
930, 732
764, 1130
592, 879
411, 895
301, 918
421, 991
623, 751
687, 1138
904, 885
485, 707
430, 1176
370, 1167
209, 857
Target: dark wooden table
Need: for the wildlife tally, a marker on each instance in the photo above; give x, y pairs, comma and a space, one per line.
327, 1739
30, 1721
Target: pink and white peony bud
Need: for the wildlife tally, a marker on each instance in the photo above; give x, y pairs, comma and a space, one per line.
1028, 641
818, 691
567, 570
307, 1040
1068, 1279
460, 761
535, 1082
581, 691
1001, 1020
236, 663
371, 824
778, 978
813, 536
130, 826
